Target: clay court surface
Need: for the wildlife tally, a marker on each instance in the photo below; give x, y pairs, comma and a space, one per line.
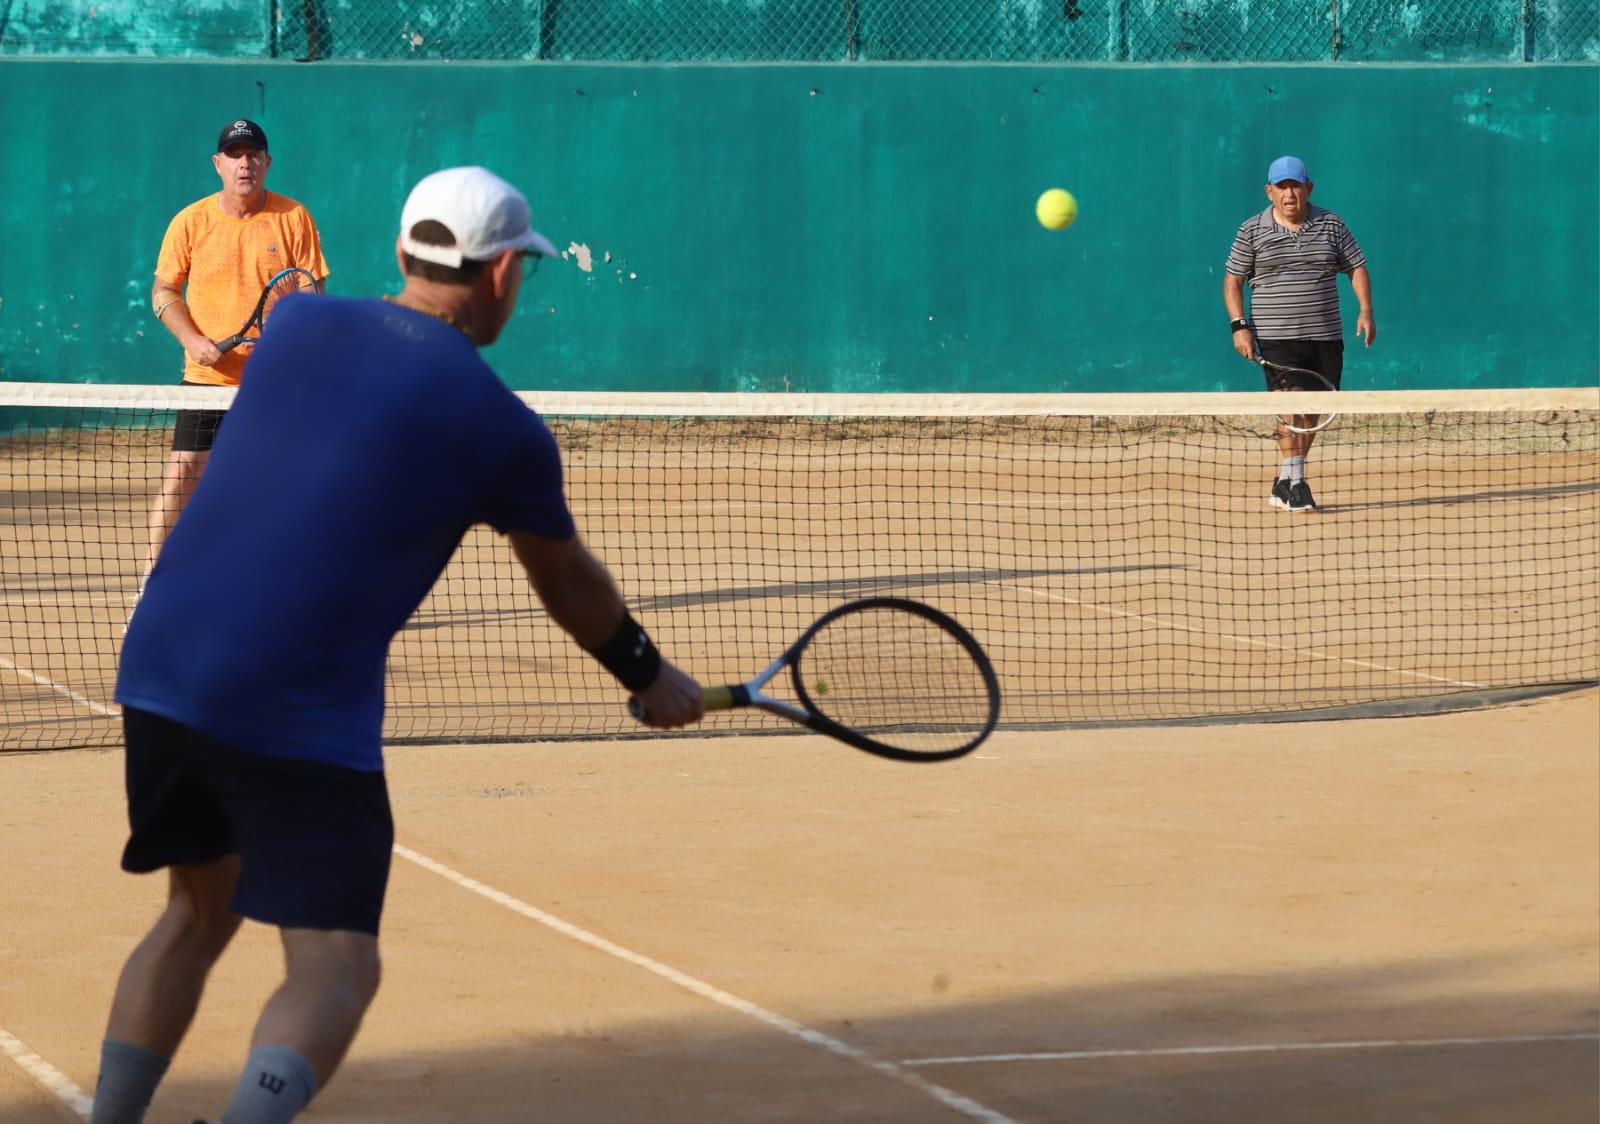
1378, 920
1374, 919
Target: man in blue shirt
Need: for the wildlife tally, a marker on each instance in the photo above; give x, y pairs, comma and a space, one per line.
252, 672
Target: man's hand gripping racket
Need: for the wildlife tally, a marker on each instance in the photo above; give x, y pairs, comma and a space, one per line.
284, 283
886, 675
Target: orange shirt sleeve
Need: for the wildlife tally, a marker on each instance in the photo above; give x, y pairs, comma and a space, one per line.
307, 244
177, 248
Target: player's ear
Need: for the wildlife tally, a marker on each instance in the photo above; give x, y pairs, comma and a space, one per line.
1309, 185
400, 254
504, 271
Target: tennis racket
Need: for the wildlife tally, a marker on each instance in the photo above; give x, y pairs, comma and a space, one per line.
1284, 377
285, 282
894, 677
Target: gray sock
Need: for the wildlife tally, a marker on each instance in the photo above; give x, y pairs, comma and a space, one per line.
276, 1084
129, 1074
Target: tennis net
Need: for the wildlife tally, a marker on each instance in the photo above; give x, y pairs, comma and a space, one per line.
1116, 555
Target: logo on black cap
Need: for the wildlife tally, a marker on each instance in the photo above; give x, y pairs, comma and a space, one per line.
242, 132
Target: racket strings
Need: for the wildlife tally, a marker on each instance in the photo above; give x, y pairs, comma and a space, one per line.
285, 286
899, 678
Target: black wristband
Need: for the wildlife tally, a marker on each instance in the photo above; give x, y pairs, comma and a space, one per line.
1236, 325
630, 655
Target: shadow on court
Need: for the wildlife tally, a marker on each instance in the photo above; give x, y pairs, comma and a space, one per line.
1457, 499
1194, 905
708, 1068
868, 585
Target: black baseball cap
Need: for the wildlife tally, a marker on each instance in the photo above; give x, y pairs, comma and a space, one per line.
243, 132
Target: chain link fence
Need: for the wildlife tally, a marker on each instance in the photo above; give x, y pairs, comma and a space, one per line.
820, 30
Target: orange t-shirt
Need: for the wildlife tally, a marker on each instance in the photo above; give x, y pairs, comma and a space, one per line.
226, 262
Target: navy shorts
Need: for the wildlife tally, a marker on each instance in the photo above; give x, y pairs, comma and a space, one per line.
314, 840
1326, 357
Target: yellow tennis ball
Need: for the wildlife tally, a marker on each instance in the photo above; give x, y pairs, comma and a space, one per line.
1056, 209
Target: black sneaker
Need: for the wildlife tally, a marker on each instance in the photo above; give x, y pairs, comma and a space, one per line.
1280, 495
1300, 498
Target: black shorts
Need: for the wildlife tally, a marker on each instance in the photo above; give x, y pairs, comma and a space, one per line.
314, 840
196, 430
1326, 357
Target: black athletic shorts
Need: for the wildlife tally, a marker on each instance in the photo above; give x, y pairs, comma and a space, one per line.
196, 429
314, 840
1326, 357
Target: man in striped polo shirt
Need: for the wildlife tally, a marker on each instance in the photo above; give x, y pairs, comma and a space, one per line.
1290, 255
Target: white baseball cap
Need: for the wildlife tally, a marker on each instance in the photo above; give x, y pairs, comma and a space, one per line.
485, 213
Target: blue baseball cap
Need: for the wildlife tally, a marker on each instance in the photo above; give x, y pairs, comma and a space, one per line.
1288, 168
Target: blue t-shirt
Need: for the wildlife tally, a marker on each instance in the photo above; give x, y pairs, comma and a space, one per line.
365, 440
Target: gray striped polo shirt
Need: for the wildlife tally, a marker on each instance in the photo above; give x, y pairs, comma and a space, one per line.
1293, 273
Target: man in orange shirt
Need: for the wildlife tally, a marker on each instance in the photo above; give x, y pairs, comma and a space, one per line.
217, 256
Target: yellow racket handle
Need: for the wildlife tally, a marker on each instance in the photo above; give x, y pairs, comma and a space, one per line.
711, 698
717, 698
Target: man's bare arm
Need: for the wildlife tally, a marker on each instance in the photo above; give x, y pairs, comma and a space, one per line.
167, 303
1366, 323
1233, 295
1244, 340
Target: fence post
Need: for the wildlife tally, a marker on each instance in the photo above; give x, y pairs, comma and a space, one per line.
319, 33
1117, 37
1530, 12
543, 28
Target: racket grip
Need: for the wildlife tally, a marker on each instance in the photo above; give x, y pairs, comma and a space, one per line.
718, 698
711, 698
231, 342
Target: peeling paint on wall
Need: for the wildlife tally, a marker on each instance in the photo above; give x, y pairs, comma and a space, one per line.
581, 255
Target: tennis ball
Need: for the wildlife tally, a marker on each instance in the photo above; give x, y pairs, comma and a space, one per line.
820, 687
1056, 209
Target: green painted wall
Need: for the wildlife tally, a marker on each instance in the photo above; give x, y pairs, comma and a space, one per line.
853, 227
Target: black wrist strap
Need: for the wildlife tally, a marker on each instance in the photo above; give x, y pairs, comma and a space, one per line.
1235, 325
630, 655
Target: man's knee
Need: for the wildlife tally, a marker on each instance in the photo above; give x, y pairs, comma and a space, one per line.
365, 971
339, 961
197, 902
184, 468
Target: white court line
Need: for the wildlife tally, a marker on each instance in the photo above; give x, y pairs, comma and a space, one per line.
1309, 652
82, 700
956, 1101
1265, 1048
47, 1075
